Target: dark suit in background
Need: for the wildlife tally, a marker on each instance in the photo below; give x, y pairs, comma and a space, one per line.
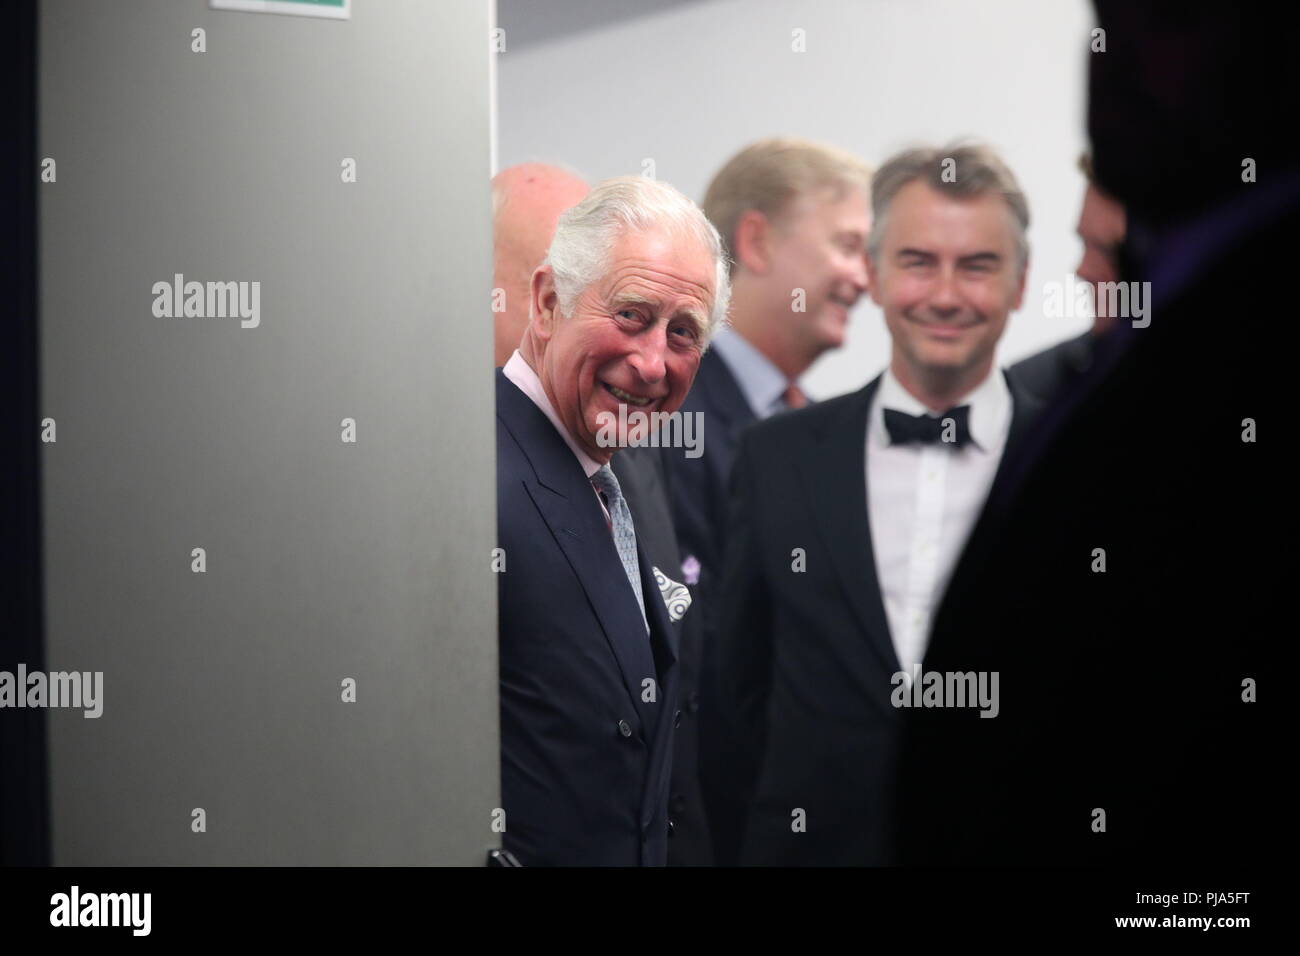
1048, 373
698, 492
698, 486
806, 658
585, 759
640, 472
1123, 691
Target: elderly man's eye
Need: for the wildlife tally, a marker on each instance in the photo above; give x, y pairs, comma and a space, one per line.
629, 314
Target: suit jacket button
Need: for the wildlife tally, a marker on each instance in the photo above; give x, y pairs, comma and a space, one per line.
677, 719
625, 728
670, 829
694, 703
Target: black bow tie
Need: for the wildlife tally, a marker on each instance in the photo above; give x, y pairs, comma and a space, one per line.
928, 429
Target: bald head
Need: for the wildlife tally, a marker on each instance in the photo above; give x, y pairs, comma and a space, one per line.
527, 201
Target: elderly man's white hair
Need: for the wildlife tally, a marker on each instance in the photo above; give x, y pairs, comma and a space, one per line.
587, 232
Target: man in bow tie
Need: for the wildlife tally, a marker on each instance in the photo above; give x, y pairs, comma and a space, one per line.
620, 312
848, 516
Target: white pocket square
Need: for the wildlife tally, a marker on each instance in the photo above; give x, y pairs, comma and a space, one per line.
677, 597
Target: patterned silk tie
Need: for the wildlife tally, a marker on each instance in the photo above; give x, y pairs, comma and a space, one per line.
620, 518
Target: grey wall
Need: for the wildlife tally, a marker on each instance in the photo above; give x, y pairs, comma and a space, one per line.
325, 560
688, 85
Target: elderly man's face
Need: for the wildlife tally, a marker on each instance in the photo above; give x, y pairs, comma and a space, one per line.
947, 278
635, 336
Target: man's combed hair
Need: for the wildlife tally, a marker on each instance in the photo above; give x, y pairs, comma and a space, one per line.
960, 170
586, 234
770, 174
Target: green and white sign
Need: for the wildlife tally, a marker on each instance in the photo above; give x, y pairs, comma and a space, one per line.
331, 9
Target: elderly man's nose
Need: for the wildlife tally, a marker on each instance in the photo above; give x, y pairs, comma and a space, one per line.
649, 358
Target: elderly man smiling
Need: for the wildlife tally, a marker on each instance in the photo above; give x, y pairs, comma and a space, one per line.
621, 311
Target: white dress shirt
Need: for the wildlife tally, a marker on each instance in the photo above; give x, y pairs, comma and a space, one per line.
922, 502
761, 382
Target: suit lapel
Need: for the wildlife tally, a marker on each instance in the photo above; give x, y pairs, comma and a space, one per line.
723, 396
1025, 409
664, 638
834, 473
568, 504
663, 631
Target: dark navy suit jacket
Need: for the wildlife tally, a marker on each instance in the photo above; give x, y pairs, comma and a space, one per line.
641, 474
698, 492
587, 697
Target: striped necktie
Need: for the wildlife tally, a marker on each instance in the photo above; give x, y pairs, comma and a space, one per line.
620, 525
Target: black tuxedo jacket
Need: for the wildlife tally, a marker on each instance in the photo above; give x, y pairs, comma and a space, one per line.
641, 475
806, 658
587, 697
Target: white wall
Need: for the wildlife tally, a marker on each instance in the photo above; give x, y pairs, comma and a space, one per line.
690, 84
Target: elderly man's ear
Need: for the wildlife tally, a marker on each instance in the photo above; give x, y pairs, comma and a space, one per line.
544, 307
